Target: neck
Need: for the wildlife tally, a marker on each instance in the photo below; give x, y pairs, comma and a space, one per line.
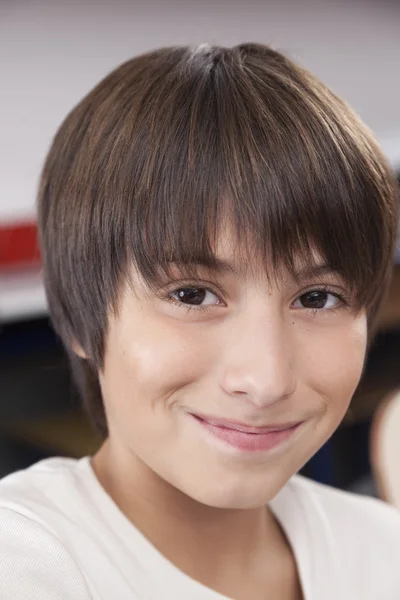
207, 543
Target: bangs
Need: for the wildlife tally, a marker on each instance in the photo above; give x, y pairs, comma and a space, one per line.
260, 150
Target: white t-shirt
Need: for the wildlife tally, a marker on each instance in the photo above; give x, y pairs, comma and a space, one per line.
63, 538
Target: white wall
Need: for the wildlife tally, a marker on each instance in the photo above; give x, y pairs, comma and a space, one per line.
52, 52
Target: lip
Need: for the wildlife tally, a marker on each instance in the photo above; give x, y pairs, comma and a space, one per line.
245, 437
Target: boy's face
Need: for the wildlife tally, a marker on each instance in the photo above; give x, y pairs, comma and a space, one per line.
192, 375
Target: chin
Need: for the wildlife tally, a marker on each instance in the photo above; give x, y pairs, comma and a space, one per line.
241, 496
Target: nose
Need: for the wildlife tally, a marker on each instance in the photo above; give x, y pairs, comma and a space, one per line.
259, 363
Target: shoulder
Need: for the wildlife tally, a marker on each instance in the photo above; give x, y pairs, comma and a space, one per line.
42, 484
350, 512
35, 563
361, 535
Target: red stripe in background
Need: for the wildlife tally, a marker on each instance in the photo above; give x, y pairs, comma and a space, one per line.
19, 246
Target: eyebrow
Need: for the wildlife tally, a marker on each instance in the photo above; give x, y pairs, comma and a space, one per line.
314, 271
224, 266
219, 265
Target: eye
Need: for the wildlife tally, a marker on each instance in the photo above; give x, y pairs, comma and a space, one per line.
318, 300
194, 296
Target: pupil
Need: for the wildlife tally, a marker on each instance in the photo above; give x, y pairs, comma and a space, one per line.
315, 299
192, 295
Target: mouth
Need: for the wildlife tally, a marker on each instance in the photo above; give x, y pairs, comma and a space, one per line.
245, 437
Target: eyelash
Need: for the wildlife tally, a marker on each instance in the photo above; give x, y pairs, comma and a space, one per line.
204, 309
343, 301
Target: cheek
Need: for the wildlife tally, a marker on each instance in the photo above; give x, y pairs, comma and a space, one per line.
335, 363
152, 361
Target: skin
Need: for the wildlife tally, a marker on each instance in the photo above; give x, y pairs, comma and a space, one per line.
257, 356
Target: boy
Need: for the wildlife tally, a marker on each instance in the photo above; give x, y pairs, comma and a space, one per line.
217, 231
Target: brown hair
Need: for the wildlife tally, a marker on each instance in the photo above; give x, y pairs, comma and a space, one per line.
146, 166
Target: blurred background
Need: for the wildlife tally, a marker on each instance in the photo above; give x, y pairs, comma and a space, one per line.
51, 54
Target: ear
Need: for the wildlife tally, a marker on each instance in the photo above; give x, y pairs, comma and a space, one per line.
79, 351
